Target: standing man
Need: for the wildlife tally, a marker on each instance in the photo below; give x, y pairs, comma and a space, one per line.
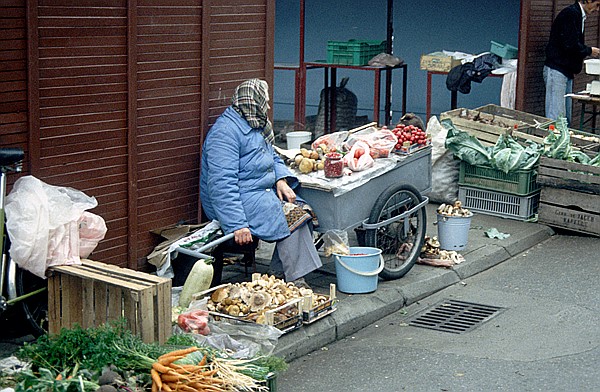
565, 53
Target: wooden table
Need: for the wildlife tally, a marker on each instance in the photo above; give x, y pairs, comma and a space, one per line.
584, 100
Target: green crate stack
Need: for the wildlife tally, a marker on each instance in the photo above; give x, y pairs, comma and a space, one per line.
490, 191
519, 182
353, 52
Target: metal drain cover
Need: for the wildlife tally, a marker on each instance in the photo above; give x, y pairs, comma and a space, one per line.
455, 316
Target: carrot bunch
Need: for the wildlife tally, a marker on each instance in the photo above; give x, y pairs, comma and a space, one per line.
169, 377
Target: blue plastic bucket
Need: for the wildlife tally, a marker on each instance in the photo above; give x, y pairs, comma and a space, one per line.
358, 272
453, 231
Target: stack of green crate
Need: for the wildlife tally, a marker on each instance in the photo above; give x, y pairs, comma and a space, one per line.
514, 195
353, 52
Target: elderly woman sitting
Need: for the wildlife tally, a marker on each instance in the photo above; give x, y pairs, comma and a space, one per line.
246, 186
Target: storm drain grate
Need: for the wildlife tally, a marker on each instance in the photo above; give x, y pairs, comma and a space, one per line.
455, 316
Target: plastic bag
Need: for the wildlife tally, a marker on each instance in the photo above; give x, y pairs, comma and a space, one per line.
381, 141
359, 158
333, 141
335, 241
92, 230
42, 223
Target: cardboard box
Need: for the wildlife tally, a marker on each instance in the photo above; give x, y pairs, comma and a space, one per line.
439, 62
94, 293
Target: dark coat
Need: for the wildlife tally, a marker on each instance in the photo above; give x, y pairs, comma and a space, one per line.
566, 49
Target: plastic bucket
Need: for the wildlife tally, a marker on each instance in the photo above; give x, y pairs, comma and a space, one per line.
453, 231
358, 272
296, 138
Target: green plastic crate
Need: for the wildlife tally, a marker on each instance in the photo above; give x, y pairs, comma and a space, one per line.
353, 52
520, 182
506, 51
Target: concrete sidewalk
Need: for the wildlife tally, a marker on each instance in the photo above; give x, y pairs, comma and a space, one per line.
355, 312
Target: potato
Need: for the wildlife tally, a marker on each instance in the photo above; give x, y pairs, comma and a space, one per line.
306, 166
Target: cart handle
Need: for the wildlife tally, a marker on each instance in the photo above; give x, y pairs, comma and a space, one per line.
374, 226
198, 252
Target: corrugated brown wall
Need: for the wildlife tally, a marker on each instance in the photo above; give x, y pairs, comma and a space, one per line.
536, 20
113, 97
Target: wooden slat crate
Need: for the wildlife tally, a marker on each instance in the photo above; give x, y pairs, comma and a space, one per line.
488, 122
94, 293
570, 196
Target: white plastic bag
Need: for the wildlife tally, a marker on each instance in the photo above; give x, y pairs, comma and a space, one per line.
92, 230
42, 223
359, 158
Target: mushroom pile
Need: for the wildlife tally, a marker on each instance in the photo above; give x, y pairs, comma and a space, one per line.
453, 210
250, 300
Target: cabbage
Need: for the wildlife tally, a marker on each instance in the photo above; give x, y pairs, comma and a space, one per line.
464, 146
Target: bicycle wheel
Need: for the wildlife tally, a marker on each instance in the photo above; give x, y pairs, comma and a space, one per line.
35, 307
400, 241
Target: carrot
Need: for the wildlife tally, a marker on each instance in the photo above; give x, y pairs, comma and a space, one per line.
160, 368
169, 387
188, 368
156, 378
170, 359
203, 361
59, 377
154, 387
183, 351
198, 386
185, 388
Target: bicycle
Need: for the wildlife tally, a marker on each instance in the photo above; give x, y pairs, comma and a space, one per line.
18, 286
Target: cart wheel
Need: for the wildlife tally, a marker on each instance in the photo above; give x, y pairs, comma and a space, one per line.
400, 241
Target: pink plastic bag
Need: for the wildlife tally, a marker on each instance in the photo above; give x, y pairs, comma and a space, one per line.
359, 158
92, 230
381, 141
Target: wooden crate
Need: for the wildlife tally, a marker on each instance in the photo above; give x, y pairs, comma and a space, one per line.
570, 196
94, 293
484, 126
488, 122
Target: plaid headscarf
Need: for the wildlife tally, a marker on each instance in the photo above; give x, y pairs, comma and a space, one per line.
250, 101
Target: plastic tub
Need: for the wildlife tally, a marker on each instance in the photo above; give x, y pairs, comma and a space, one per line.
296, 138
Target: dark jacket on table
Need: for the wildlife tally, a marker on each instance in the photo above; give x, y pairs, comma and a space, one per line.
566, 49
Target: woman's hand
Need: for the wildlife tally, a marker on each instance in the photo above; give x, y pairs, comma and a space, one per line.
242, 236
595, 52
284, 192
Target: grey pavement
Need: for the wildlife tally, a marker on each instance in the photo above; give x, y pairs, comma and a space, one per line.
357, 311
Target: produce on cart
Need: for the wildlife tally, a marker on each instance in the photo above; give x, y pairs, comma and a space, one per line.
373, 189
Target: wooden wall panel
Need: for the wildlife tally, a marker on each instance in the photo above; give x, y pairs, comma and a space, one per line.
169, 50
113, 97
82, 78
13, 76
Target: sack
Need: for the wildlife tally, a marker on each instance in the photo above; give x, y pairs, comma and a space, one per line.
42, 223
359, 157
381, 141
346, 104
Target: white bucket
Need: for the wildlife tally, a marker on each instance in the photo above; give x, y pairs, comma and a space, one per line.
453, 231
296, 138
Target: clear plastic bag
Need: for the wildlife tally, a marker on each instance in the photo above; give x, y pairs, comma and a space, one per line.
335, 241
359, 158
42, 223
381, 141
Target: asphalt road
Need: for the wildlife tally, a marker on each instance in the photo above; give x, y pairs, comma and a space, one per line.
546, 337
